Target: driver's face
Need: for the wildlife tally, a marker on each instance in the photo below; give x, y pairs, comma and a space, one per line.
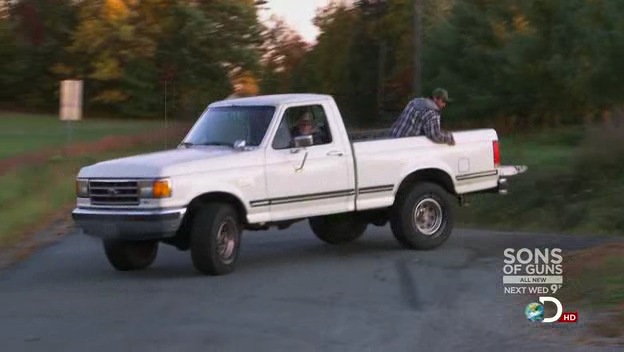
305, 126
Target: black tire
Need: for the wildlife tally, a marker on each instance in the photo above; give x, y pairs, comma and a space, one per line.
212, 253
337, 229
130, 255
436, 219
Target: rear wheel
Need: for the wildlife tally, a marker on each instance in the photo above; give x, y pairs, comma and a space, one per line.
130, 255
215, 239
423, 217
337, 229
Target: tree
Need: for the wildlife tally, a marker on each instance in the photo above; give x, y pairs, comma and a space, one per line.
137, 49
283, 52
34, 34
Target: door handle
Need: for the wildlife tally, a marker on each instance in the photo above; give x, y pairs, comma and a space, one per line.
300, 167
335, 153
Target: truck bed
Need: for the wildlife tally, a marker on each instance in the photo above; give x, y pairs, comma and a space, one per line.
381, 160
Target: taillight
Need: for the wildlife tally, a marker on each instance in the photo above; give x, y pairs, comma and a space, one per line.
496, 153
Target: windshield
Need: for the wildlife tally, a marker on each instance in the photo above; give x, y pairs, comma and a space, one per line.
226, 125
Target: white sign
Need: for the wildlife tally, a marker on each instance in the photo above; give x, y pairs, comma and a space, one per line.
71, 100
532, 270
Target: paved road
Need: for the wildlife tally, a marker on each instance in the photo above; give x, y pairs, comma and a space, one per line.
290, 292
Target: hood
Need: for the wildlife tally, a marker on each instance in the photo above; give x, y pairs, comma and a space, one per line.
165, 163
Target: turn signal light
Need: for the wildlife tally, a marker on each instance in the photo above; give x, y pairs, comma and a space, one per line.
161, 189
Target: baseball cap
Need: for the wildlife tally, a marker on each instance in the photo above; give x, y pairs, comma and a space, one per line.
441, 93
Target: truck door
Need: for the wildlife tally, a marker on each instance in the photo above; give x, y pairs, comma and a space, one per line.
307, 181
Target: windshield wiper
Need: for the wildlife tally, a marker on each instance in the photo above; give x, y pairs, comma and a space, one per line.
225, 144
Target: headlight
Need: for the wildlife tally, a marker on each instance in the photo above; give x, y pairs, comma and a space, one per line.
82, 188
155, 189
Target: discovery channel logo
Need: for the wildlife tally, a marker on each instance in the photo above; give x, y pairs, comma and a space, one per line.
535, 312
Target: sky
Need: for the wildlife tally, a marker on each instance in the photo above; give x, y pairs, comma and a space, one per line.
298, 14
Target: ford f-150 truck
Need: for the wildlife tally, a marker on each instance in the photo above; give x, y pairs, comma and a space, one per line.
244, 166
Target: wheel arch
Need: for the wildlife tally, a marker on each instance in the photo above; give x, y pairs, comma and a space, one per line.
433, 175
182, 238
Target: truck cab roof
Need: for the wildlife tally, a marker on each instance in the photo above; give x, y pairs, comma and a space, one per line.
272, 100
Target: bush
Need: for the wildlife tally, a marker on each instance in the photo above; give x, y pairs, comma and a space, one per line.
601, 154
575, 184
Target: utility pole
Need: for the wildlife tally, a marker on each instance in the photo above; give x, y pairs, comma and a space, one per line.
417, 47
381, 75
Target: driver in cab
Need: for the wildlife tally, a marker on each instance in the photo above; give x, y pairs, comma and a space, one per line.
305, 127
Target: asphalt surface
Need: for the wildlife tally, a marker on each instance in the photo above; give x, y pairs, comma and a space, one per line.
290, 292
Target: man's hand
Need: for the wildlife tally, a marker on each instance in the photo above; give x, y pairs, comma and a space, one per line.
452, 141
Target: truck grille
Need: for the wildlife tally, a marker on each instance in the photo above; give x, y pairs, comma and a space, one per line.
114, 192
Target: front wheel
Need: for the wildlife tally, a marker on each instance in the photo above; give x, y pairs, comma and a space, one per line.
130, 255
215, 239
423, 217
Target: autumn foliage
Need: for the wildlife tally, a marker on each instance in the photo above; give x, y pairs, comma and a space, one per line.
513, 64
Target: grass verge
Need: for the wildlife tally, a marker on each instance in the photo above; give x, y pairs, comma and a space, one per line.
595, 280
574, 184
22, 133
34, 193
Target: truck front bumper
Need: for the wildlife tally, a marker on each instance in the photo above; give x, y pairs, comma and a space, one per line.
129, 224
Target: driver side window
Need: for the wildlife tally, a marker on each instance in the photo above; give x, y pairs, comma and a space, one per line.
302, 120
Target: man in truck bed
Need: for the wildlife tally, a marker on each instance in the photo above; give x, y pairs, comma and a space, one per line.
421, 117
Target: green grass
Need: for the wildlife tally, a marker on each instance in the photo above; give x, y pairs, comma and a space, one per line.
599, 286
596, 283
573, 185
21, 133
33, 193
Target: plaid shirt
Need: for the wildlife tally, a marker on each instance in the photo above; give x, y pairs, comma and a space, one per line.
421, 117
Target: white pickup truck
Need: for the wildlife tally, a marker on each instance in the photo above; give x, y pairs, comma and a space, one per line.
245, 166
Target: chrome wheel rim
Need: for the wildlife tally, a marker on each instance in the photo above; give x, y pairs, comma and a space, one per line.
226, 241
428, 216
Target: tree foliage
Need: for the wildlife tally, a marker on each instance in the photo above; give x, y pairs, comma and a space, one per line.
530, 62
132, 54
283, 52
33, 34
533, 62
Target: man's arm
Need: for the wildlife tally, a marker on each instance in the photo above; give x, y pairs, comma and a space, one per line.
433, 131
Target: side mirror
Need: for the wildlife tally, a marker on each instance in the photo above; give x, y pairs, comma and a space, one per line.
303, 141
240, 145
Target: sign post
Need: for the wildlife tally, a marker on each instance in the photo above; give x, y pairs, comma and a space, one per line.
71, 104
